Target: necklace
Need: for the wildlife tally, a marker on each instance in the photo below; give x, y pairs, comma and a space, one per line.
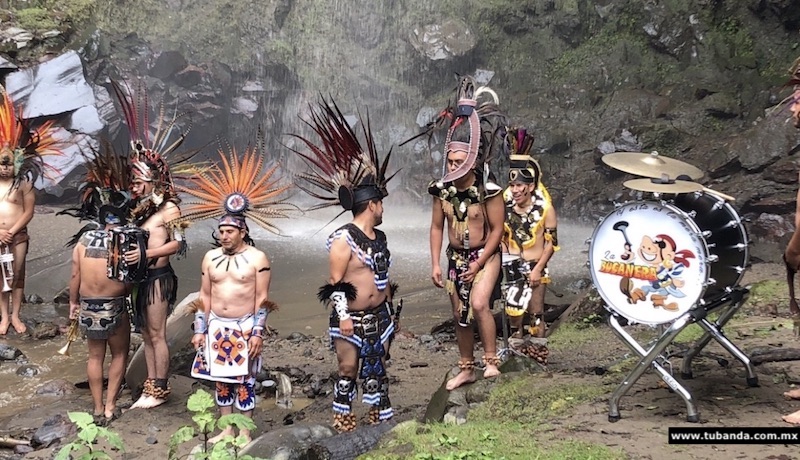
227, 257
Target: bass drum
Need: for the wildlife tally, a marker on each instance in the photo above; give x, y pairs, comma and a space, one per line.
649, 262
725, 235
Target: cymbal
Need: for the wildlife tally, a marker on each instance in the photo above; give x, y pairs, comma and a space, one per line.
651, 165
678, 186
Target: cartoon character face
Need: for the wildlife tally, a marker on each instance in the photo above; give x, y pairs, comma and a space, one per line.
655, 251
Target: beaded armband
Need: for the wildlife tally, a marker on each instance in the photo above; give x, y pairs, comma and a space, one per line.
200, 325
551, 235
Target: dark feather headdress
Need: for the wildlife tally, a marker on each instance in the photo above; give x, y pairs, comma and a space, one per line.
23, 146
105, 192
343, 171
153, 155
236, 188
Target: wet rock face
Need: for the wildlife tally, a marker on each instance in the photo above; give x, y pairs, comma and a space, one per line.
444, 40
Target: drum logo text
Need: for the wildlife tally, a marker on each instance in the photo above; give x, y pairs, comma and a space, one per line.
628, 270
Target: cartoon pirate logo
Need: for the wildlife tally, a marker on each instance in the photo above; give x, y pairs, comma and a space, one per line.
661, 254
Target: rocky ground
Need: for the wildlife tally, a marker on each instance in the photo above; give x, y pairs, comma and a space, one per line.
420, 362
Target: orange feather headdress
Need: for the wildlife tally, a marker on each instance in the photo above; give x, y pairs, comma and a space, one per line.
25, 147
236, 188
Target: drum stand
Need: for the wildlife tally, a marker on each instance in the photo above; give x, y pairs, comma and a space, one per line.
734, 298
504, 352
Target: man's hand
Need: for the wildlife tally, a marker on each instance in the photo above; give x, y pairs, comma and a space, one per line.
436, 277
6, 237
535, 278
198, 340
346, 327
472, 270
255, 344
74, 309
132, 256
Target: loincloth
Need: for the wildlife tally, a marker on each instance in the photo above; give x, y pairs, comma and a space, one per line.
167, 282
225, 356
518, 289
100, 316
373, 322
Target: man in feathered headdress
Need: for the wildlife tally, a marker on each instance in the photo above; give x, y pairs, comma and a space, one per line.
362, 318
97, 300
472, 206
155, 210
530, 233
229, 328
21, 163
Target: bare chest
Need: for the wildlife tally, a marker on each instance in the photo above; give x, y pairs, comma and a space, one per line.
234, 269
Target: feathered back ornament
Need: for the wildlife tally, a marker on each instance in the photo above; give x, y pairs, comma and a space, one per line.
151, 152
105, 192
522, 166
343, 171
23, 146
236, 188
472, 126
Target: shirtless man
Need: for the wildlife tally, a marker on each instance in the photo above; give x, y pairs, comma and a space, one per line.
530, 233
792, 258
17, 200
234, 288
99, 304
156, 208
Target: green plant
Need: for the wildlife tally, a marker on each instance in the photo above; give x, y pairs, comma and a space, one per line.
88, 433
201, 403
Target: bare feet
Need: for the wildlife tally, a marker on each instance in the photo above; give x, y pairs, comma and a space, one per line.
226, 432
147, 402
4, 328
19, 326
463, 377
792, 394
491, 371
793, 418
246, 435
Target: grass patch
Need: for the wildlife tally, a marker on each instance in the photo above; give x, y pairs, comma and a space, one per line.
505, 426
767, 293
574, 335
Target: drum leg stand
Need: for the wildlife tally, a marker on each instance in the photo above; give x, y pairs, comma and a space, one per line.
649, 359
714, 330
504, 352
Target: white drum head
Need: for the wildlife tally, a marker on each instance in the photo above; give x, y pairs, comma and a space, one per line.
663, 272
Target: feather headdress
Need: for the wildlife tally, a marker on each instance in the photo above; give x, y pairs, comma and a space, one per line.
237, 188
25, 147
105, 192
343, 171
791, 102
523, 167
472, 126
152, 156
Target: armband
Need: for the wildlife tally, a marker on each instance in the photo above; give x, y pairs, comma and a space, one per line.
260, 322
551, 235
338, 294
200, 325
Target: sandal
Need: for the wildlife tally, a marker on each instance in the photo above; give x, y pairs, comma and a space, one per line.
115, 414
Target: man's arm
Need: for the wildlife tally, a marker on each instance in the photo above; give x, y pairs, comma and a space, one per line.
75, 281
338, 258
550, 222
496, 214
28, 205
205, 283
436, 238
263, 278
170, 212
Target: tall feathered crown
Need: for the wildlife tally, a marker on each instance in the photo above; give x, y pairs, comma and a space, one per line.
236, 188
22, 146
522, 166
343, 171
104, 193
151, 152
472, 127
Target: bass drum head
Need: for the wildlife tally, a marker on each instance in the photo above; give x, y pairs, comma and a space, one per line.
648, 262
728, 238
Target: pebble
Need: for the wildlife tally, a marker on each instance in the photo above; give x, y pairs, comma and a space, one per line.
151, 440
